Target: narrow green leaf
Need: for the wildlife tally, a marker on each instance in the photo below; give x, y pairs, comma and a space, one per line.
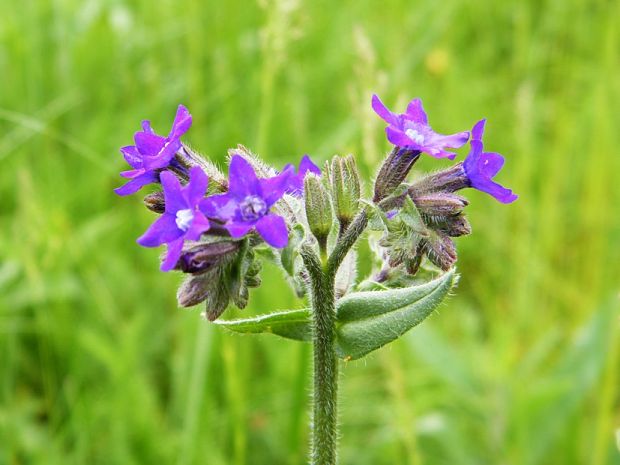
369, 320
291, 324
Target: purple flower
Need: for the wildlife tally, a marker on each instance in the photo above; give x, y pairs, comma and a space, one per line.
481, 166
181, 220
411, 130
248, 200
152, 152
296, 181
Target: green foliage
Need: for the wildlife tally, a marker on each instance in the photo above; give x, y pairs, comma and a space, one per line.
290, 324
369, 320
98, 366
366, 321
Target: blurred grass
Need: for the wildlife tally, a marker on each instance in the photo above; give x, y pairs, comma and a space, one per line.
98, 366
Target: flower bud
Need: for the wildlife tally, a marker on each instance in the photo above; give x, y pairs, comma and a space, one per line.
155, 202
440, 204
394, 170
346, 189
447, 181
440, 250
318, 208
204, 256
455, 226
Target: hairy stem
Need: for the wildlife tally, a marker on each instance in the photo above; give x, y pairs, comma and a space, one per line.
325, 382
346, 241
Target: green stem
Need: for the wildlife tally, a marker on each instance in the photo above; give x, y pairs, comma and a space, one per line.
325, 389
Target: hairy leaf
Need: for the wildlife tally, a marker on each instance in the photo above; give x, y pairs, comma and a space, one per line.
291, 324
369, 320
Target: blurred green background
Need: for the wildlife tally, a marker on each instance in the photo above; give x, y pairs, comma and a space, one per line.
99, 366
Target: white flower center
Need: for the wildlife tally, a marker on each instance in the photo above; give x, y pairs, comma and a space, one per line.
415, 136
184, 219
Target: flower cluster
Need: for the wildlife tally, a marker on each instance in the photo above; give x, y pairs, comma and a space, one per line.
212, 229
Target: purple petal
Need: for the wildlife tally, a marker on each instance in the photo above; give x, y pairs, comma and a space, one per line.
478, 130
163, 157
131, 174
307, 165
498, 191
221, 206
416, 113
149, 144
242, 180
399, 138
197, 186
200, 224
136, 183
381, 110
454, 141
132, 156
274, 188
146, 126
470, 164
439, 153
172, 193
163, 230
490, 163
238, 230
173, 255
272, 228
182, 123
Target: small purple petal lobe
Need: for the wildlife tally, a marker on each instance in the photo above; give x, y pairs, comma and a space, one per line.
478, 130
242, 178
381, 110
182, 123
238, 230
307, 165
274, 188
172, 255
136, 184
197, 186
399, 138
416, 113
163, 230
272, 229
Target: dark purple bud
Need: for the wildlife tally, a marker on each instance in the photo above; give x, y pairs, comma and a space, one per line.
440, 250
394, 170
203, 257
455, 226
155, 202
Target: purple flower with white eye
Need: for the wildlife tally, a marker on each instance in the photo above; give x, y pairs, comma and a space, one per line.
296, 181
152, 152
182, 220
481, 166
248, 201
411, 130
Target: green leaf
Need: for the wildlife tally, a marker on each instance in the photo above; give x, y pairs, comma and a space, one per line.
291, 324
369, 320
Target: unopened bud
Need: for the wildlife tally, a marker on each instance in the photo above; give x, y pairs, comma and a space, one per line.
455, 226
205, 256
345, 187
440, 250
449, 180
440, 204
318, 208
194, 290
394, 170
155, 202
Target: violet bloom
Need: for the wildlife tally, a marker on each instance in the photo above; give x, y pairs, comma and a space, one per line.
248, 200
296, 181
410, 130
181, 220
152, 152
481, 166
